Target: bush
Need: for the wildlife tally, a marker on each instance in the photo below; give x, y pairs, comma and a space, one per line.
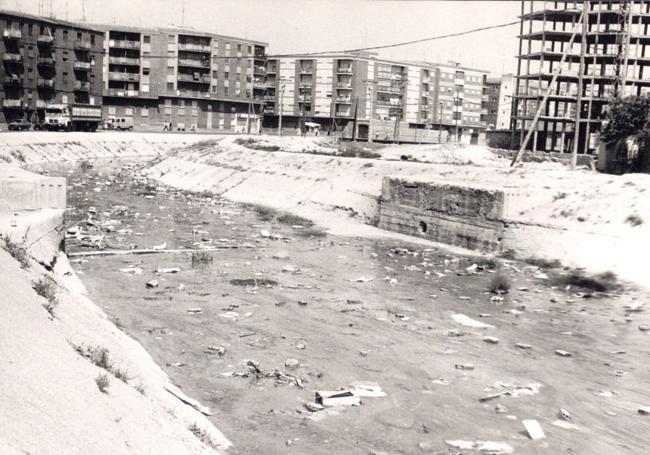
544, 263
499, 284
201, 258
626, 117
17, 251
46, 289
264, 213
601, 282
634, 220
254, 145
103, 382
202, 435
288, 218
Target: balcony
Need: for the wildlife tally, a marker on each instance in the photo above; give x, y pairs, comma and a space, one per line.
45, 83
82, 86
194, 47
304, 98
344, 70
304, 85
120, 92
343, 100
268, 110
82, 45
45, 61
124, 44
199, 79
11, 57
129, 77
271, 70
343, 113
306, 70
269, 97
194, 63
13, 79
259, 70
344, 86
81, 66
260, 54
12, 33
124, 61
41, 104
12, 103
45, 39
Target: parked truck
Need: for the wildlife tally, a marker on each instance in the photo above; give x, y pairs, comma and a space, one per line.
72, 117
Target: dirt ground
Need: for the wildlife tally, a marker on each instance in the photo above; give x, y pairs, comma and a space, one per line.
353, 309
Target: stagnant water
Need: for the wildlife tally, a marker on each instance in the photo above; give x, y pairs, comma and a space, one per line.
278, 302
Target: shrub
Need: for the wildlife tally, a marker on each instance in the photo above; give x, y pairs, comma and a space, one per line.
46, 289
103, 382
202, 435
140, 389
201, 258
499, 283
18, 155
487, 262
288, 218
634, 220
264, 213
254, 145
601, 282
122, 374
544, 263
310, 232
17, 251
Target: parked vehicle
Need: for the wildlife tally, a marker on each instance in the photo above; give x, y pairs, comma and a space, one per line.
122, 123
19, 125
73, 117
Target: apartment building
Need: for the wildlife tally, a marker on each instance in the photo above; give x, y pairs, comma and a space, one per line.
379, 99
47, 61
615, 64
498, 94
184, 77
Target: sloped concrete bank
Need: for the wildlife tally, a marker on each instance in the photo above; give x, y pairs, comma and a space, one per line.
50, 373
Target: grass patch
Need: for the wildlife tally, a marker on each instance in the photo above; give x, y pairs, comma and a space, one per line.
253, 144
499, 283
103, 382
201, 194
310, 232
602, 282
46, 288
544, 263
288, 218
17, 251
352, 152
264, 213
200, 258
100, 357
634, 220
245, 282
487, 262
202, 435
17, 154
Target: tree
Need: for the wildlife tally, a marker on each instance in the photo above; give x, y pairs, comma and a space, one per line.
628, 117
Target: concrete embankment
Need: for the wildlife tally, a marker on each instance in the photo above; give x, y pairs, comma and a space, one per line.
58, 347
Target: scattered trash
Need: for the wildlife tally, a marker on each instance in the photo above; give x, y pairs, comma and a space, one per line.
337, 398
534, 429
291, 364
513, 391
464, 366
564, 414
469, 322
500, 409
644, 410
485, 447
564, 425
523, 346
133, 270
562, 353
168, 270
362, 279
160, 247
644, 328
265, 234
194, 310
152, 284
491, 340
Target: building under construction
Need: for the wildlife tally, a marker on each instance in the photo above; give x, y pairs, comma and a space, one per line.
567, 59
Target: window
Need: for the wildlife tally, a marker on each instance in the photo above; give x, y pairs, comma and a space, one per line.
30, 29
112, 110
250, 50
226, 75
144, 112
79, 36
128, 111
64, 99
225, 90
171, 39
145, 71
146, 39
214, 74
239, 48
65, 35
92, 40
170, 86
181, 103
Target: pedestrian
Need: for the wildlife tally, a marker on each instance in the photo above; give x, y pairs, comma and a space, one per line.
165, 126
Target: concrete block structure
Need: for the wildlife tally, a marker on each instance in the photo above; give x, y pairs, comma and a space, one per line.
498, 101
47, 61
191, 79
615, 64
391, 100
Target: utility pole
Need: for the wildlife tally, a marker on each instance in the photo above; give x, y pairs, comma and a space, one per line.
440, 124
250, 108
280, 106
354, 122
456, 112
583, 47
371, 100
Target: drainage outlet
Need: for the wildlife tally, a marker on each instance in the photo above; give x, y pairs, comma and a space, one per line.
423, 227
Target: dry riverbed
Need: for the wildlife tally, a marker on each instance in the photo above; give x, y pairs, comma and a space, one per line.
280, 312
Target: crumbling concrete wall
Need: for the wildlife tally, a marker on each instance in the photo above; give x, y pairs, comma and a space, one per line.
22, 190
469, 217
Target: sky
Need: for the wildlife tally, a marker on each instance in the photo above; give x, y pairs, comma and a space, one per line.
295, 26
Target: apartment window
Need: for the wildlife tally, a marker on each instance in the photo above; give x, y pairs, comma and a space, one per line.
65, 35
250, 50
128, 111
92, 40
214, 74
226, 75
112, 110
64, 99
170, 86
214, 89
144, 112
30, 29
65, 76
41, 30
171, 39
79, 36
181, 103
239, 48
170, 70
145, 71
146, 39
225, 90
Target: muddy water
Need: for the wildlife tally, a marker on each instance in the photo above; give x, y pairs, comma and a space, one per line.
351, 309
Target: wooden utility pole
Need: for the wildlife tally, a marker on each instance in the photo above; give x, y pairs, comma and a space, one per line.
542, 105
583, 47
280, 106
371, 100
354, 122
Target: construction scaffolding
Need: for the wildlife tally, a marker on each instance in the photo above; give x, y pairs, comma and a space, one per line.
566, 62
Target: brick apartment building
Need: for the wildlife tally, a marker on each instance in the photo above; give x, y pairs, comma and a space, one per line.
183, 77
47, 61
408, 101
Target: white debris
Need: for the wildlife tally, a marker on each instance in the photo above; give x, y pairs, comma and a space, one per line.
534, 429
162, 246
485, 447
469, 322
367, 389
562, 353
132, 270
491, 340
264, 233
644, 410
168, 270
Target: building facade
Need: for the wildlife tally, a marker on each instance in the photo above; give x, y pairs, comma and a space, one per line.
185, 78
615, 64
492, 92
498, 101
368, 97
46, 61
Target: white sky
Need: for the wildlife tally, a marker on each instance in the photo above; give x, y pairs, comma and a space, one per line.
291, 26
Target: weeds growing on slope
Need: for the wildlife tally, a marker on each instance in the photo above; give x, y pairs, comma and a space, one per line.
46, 288
602, 282
200, 258
202, 435
103, 382
17, 251
499, 283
